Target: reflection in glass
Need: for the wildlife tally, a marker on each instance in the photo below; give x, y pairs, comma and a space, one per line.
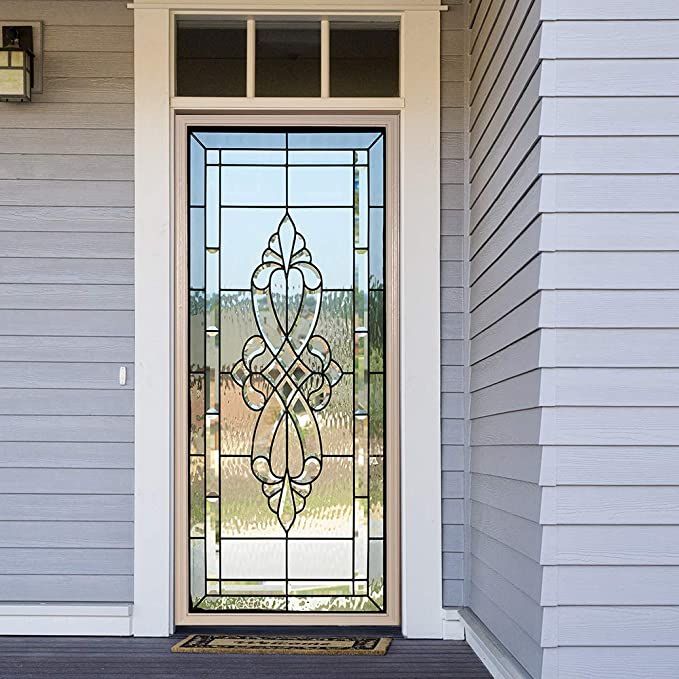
286, 389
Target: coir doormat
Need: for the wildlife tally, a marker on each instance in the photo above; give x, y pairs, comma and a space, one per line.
224, 643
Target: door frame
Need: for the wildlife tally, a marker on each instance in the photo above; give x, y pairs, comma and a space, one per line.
418, 109
392, 362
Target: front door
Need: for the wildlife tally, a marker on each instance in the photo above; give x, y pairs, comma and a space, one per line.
287, 499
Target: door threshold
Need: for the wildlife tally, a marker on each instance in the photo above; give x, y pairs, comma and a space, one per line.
305, 630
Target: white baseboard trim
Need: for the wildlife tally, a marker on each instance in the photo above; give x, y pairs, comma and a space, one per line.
497, 659
453, 627
66, 619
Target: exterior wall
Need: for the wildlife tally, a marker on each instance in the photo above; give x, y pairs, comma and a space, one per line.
610, 383
66, 312
504, 573
452, 299
574, 396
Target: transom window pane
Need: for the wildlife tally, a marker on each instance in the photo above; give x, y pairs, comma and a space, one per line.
364, 59
288, 61
211, 59
286, 383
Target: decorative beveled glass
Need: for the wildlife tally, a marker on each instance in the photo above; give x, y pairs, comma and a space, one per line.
286, 438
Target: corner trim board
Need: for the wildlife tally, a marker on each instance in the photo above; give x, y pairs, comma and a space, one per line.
453, 627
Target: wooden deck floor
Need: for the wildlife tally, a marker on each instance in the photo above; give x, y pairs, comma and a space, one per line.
115, 658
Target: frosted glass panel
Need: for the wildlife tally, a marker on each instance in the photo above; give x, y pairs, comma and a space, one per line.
286, 384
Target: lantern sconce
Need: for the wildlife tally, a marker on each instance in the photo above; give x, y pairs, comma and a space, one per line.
19, 51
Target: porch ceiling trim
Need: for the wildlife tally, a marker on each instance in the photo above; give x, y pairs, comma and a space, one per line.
301, 7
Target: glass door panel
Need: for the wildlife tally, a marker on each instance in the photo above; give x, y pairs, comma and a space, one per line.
286, 358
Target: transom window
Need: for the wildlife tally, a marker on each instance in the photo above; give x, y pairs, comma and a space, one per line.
295, 57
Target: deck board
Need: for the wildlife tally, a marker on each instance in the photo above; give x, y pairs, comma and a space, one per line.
132, 658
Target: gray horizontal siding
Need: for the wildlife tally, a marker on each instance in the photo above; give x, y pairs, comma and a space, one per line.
574, 508
611, 487
83, 588
452, 299
505, 572
17, 561
67, 313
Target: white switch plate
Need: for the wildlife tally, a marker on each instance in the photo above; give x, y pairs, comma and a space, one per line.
37, 48
122, 376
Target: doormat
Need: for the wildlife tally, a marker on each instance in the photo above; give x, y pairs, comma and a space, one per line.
224, 643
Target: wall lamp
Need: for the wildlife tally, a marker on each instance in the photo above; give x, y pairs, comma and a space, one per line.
16, 63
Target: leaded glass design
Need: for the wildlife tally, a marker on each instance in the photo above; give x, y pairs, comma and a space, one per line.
287, 343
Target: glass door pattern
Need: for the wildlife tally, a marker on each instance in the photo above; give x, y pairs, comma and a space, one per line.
287, 345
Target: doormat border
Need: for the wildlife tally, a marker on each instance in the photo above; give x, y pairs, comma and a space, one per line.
380, 647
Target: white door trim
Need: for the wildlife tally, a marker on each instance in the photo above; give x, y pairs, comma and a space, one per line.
289, 120
420, 321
